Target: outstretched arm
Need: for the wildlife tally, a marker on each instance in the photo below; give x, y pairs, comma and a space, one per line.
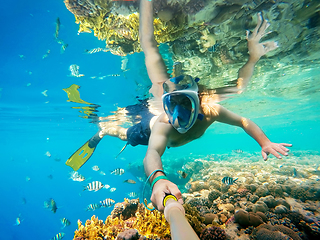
156, 68
256, 51
267, 147
152, 161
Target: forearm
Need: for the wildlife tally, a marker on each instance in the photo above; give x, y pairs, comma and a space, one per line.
254, 131
147, 40
151, 162
155, 65
245, 73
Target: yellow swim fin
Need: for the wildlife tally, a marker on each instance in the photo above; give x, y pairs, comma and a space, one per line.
82, 155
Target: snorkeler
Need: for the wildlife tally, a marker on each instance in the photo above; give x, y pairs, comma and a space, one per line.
189, 109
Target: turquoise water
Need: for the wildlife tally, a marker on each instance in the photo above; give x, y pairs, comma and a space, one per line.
284, 103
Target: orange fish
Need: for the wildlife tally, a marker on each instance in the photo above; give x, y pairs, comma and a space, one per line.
182, 174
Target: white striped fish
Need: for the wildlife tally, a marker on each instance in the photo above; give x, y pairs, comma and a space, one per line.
118, 171
58, 236
93, 206
229, 180
108, 202
132, 194
95, 50
74, 69
94, 186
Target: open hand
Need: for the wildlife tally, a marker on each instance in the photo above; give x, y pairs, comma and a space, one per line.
158, 193
256, 49
275, 149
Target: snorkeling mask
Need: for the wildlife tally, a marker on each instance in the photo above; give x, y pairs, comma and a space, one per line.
181, 102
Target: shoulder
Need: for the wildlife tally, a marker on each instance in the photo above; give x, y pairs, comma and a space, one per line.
210, 109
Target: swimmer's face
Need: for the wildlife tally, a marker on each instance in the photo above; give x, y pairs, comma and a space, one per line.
182, 100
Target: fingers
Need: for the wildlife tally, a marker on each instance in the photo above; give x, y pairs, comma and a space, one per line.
286, 144
264, 155
263, 28
269, 46
255, 31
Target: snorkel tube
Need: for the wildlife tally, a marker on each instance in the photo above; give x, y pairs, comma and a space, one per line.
175, 215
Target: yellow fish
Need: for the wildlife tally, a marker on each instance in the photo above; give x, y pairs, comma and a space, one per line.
130, 181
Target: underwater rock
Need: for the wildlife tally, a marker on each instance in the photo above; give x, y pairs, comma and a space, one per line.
166, 14
246, 219
197, 186
222, 218
213, 195
253, 198
213, 233
260, 206
262, 191
281, 201
129, 234
252, 187
210, 217
228, 207
269, 200
275, 190
280, 209
267, 231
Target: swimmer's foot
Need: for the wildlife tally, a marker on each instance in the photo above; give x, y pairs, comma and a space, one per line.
82, 155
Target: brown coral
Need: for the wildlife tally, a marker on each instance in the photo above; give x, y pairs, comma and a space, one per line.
85, 8
267, 231
213, 233
125, 209
194, 218
246, 219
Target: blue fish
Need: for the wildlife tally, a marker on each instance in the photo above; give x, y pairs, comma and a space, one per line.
294, 174
229, 180
65, 222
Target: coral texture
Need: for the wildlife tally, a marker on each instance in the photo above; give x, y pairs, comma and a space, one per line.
213, 233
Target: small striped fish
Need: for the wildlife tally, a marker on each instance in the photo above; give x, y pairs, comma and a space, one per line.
130, 181
51, 204
132, 194
58, 236
74, 71
229, 180
65, 222
95, 50
94, 186
93, 206
108, 202
118, 171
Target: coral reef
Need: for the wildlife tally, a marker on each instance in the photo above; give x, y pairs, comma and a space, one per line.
213, 233
208, 32
152, 225
194, 218
129, 234
246, 219
266, 231
125, 209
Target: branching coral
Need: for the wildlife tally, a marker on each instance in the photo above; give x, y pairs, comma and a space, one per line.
194, 218
85, 8
119, 31
152, 225
213, 233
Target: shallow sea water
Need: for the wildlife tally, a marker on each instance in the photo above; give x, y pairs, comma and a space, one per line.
36, 119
